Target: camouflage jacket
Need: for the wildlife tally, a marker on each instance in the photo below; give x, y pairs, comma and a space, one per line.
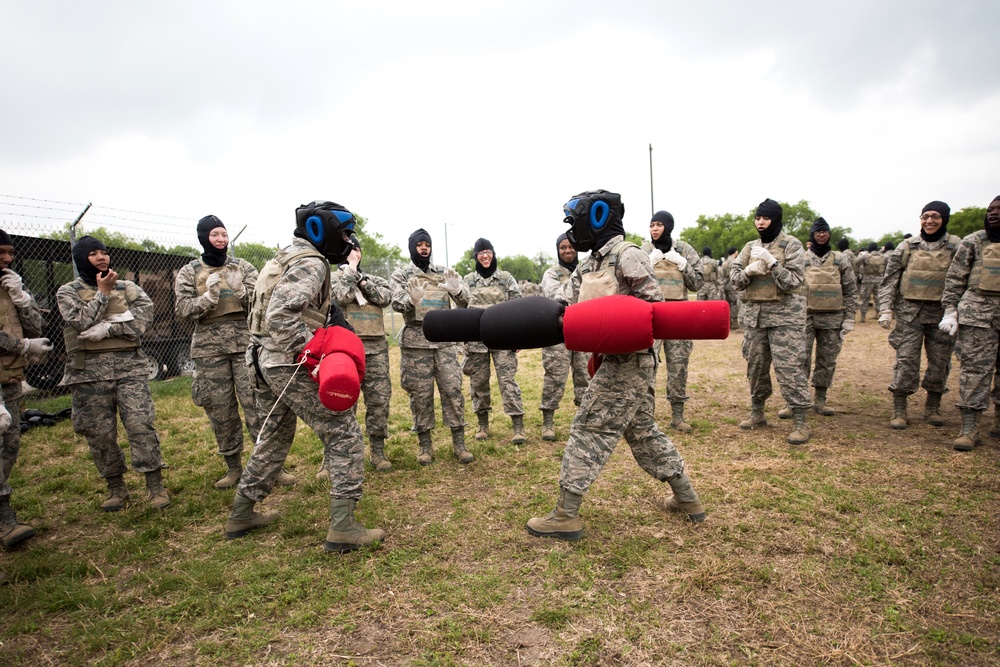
848, 285
790, 311
556, 283
693, 276
213, 339
348, 283
975, 309
30, 318
917, 312
633, 272
413, 335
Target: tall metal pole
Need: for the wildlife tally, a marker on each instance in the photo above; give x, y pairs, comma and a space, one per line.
652, 208
72, 236
446, 262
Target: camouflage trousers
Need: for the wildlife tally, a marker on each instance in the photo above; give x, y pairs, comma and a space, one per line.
95, 405
219, 382
477, 367
343, 445
377, 390
557, 362
828, 343
868, 292
419, 368
907, 338
783, 346
976, 349
675, 357
10, 445
732, 296
619, 402
709, 293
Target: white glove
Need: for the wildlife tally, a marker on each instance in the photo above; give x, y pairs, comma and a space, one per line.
97, 332
13, 284
234, 278
677, 258
756, 268
846, 327
949, 323
885, 319
452, 283
36, 347
761, 253
414, 290
655, 256
213, 287
5, 419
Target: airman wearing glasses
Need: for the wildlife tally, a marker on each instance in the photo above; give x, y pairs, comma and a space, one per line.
911, 290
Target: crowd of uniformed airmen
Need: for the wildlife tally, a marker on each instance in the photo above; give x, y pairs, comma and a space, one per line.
794, 304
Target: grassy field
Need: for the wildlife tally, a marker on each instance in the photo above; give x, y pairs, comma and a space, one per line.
866, 546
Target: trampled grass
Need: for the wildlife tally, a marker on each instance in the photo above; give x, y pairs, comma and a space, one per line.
866, 546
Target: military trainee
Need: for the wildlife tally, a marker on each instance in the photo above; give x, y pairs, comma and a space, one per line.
677, 270
971, 302
769, 273
416, 290
710, 287
620, 400
871, 267
911, 290
729, 292
292, 299
487, 285
107, 371
557, 361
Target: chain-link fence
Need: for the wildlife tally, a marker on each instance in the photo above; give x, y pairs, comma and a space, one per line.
148, 249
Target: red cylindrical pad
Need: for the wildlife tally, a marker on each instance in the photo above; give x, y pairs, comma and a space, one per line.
345, 341
691, 320
522, 324
459, 325
617, 324
339, 383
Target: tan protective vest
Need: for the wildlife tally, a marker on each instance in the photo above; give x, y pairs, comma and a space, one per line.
484, 297
763, 289
875, 264
435, 297
924, 271
601, 281
12, 364
230, 306
268, 279
710, 269
671, 281
367, 320
985, 276
118, 301
824, 293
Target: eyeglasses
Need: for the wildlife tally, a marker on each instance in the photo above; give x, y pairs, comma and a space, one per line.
930, 216
484, 253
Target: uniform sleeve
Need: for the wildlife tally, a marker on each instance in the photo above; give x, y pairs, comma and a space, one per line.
792, 273
957, 279
890, 279
462, 298
142, 310
737, 275
298, 289
249, 282
376, 290
31, 319
513, 289
635, 269
75, 312
343, 285
849, 286
694, 276
187, 304
400, 299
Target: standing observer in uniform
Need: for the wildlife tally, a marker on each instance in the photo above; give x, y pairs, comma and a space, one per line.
416, 290
709, 290
971, 302
729, 292
488, 285
107, 372
769, 273
677, 270
557, 361
871, 266
620, 399
215, 291
911, 290
20, 340
292, 299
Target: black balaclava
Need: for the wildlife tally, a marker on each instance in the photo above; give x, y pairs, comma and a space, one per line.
81, 253
945, 211
819, 226
770, 209
730, 251
664, 243
212, 256
481, 245
571, 266
707, 251
872, 247
889, 246
5, 238
420, 235
843, 244
993, 233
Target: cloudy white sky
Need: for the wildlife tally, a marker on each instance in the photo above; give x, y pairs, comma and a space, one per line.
487, 116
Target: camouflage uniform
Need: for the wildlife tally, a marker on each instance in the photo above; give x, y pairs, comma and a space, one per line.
482, 293
916, 325
557, 360
871, 267
218, 350
529, 288
710, 288
285, 390
824, 326
105, 380
730, 294
421, 361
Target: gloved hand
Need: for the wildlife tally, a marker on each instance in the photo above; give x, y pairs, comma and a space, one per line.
655, 256
414, 290
949, 323
97, 332
452, 282
5, 419
213, 287
761, 253
756, 268
677, 258
36, 347
846, 327
13, 284
234, 278
885, 319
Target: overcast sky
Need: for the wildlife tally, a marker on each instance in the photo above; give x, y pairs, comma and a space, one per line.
487, 116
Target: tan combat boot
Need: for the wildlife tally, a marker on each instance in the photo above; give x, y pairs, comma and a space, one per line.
323, 475
117, 495
458, 446
286, 479
800, 435
969, 437
563, 522
898, 421
548, 425
517, 423
677, 417
243, 519
995, 429
819, 403
932, 409
234, 468
426, 455
345, 533
785, 413
684, 499
158, 497
483, 431
755, 419
381, 463
11, 531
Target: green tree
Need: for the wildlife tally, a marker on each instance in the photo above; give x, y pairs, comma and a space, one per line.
373, 247
255, 253
718, 232
109, 238
467, 264
521, 267
964, 222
